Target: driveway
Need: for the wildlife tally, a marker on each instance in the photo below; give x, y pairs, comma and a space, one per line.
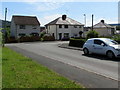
91, 71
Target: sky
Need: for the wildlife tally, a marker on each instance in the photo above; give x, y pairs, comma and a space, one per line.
49, 10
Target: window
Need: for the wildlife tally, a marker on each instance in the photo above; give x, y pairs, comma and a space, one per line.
22, 27
60, 26
65, 26
22, 34
75, 35
34, 34
75, 26
79, 26
98, 42
34, 27
66, 35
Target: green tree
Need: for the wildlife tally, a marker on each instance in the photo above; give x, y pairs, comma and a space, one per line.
92, 34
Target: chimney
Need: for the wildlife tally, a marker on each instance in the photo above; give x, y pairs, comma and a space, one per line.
64, 17
102, 21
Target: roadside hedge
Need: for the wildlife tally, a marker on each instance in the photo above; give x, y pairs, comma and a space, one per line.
77, 42
48, 38
23, 39
116, 38
29, 39
11, 40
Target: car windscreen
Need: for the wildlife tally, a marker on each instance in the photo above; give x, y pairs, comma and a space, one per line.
110, 42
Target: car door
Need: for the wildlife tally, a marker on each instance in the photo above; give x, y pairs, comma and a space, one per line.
98, 47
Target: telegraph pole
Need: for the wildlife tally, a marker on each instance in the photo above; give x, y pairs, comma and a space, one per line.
4, 32
92, 21
85, 19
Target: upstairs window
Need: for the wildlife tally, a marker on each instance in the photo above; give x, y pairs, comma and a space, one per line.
65, 26
75, 26
60, 26
22, 27
80, 26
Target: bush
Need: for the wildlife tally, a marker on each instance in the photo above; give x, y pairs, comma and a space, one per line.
11, 40
77, 42
48, 38
29, 38
92, 34
116, 38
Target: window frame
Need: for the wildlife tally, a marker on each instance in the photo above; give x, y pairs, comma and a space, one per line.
22, 26
34, 27
98, 43
60, 26
66, 26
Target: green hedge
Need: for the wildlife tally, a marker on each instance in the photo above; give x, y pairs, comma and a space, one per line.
116, 38
77, 42
48, 38
11, 40
23, 39
29, 39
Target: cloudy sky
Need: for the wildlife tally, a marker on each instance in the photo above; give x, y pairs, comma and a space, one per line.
48, 10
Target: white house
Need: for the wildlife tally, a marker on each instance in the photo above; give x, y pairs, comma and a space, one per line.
24, 25
64, 27
104, 29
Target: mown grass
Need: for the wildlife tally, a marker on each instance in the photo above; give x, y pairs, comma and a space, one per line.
21, 72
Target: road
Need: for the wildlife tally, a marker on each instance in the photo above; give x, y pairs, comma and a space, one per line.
95, 64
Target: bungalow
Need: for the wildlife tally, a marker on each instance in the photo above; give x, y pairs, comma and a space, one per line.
64, 27
24, 25
104, 29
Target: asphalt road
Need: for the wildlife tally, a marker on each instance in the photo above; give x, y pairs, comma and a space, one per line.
92, 71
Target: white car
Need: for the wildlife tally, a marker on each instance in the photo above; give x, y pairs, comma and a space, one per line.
103, 46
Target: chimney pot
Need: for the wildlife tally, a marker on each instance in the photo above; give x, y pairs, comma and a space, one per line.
102, 21
64, 17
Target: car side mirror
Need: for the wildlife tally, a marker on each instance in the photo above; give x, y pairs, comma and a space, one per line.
103, 44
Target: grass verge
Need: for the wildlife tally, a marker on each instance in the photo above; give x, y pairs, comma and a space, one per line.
21, 72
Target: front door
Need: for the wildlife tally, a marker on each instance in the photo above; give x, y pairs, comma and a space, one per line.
60, 36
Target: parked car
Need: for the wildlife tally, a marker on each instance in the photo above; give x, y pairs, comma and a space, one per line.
103, 46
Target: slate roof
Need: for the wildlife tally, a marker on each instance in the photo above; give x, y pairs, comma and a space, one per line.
26, 20
67, 21
102, 25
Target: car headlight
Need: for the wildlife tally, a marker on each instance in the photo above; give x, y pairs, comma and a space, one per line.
117, 49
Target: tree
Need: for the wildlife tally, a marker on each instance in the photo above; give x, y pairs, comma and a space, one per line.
92, 34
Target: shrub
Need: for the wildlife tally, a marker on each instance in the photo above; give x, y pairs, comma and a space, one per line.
11, 40
116, 38
29, 38
48, 38
77, 42
92, 34
42, 34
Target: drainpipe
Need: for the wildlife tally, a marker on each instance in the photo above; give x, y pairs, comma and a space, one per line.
16, 30
56, 33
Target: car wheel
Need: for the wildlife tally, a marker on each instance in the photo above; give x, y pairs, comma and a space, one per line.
110, 54
86, 51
